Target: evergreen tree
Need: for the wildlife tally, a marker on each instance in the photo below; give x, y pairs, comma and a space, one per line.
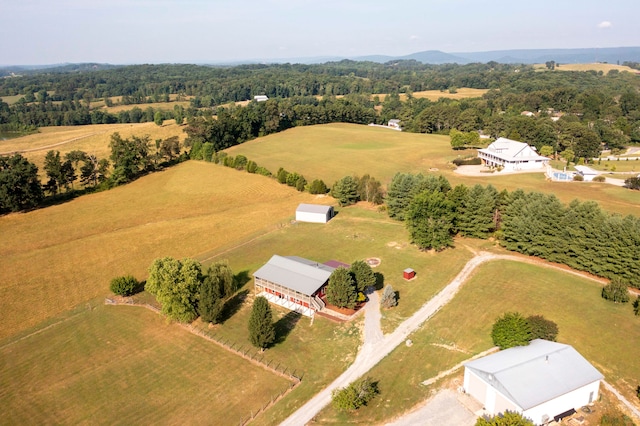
511, 329
262, 332
217, 286
430, 221
475, 217
318, 187
345, 191
389, 299
363, 275
341, 290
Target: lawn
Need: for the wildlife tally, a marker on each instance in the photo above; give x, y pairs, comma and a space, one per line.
330, 152
605, 333
60, 256
605, 68
434, 95
126, 365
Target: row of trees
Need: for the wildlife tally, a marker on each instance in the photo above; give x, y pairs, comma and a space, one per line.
579, 234
351, 189
21, 187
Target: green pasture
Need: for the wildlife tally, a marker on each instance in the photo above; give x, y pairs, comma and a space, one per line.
607, 334
126, 365
332, 151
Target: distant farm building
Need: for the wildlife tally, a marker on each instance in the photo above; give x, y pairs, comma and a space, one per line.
542, 381
295, 283
314, 213
587, 173
511, 156
408, 274
260, 98
394, 123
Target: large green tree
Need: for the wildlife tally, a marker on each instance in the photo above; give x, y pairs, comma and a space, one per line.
20, 187
176, 285
341, 290
129, 157
356, 395
511, 329
363, 275
430, 219
262, 332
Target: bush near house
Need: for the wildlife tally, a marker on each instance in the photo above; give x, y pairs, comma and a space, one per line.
124, 286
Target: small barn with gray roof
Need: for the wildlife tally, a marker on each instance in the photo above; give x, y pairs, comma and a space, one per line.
315, 213
294, 282
542, 380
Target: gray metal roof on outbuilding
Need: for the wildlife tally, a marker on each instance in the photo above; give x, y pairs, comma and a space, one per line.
296, 273
533, 374
313, 208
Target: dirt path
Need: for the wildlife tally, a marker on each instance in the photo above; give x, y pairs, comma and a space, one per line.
376, 348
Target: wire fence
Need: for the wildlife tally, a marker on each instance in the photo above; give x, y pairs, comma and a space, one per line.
247, 352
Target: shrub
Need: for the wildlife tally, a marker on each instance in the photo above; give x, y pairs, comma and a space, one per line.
616, 291
636, 306
511, 329
578, 177
475, 161
355, 395
542, 328
263, 171
318, 187
124, 286
599, 178
509, 418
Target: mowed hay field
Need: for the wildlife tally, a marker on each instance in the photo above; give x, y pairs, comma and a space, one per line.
605, 333
54, 258
605, 68
92, 139
434, 95
332, 151
126, 365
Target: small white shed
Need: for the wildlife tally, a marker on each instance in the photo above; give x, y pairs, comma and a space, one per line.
314, 213
541, 381
261, 98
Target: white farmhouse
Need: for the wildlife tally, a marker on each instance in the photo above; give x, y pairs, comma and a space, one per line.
512, 156
314, 213
542, 381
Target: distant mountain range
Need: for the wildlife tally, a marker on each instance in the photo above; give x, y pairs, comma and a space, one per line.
610, 55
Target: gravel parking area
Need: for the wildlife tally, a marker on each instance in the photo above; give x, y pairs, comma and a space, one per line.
444, 409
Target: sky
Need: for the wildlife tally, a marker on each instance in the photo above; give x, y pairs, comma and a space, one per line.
35, 32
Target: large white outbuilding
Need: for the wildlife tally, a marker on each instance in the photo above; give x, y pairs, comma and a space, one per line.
314, 213
541, 381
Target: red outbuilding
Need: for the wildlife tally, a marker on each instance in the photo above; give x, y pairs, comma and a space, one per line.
409, 274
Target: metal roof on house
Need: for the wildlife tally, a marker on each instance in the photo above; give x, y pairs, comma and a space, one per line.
533, 374
313, 208
302, 275
510, 150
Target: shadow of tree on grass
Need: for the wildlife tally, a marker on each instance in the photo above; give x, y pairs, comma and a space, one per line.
284, 326
233, 305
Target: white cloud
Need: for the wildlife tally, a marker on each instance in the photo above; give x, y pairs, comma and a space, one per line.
414, 37
605, 24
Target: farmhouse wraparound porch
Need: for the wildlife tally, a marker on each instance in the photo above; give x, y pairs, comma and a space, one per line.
288, 297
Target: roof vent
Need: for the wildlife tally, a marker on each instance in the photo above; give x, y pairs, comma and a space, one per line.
547, 359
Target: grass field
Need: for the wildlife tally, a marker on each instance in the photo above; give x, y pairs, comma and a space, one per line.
11, 99
462, 328
126, 365
434, 95
332, 151
92, 139
57, 257
605, 68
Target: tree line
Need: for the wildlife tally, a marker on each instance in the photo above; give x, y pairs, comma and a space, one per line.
580, 234
21, 186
